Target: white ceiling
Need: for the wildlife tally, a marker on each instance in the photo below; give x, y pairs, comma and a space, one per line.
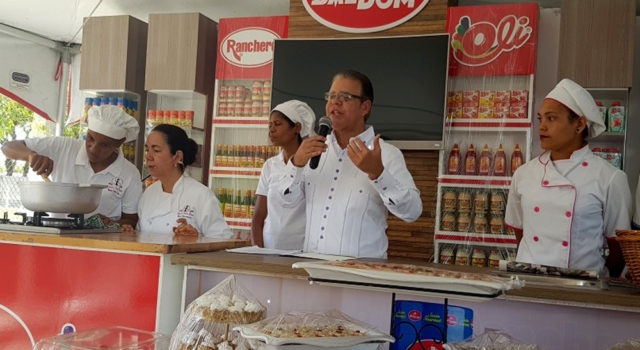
59, 20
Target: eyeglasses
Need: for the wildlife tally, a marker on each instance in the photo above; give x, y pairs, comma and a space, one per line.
341, 96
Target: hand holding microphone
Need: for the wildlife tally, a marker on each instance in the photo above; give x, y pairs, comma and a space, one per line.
324, 126
312, 147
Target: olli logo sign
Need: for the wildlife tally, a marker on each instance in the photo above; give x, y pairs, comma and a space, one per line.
476, 44
249, 47
492, 39
363, 16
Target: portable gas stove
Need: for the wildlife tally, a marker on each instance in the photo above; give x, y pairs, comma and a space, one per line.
41, 222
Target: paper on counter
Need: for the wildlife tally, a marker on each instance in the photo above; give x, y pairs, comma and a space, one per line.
319, 256
254, 249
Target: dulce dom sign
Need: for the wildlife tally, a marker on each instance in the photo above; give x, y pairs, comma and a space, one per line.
492, 40
245, 46
363, 16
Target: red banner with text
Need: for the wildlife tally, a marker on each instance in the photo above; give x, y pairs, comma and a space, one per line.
492, 39
245, 46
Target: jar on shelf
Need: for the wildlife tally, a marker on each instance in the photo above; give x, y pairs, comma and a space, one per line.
246, 108
256, 90
447, 256
480, 223
266, 108
266, 91
239, 93
480, 201
464, 222
237, 109
496, 224
449, 200
224, 93
223, 108
464, 201
463, 255
497, 202
448, 221
151, 118
479, 258
494, 258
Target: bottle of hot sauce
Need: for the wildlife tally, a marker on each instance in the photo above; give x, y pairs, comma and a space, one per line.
454, 161
516, 159
485, 161
470, 161
500, 163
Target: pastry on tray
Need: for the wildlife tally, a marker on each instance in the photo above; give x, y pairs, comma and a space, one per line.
205, 323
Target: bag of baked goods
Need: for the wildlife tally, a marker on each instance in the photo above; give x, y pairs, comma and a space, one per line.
205, 325
491, 339
331, 329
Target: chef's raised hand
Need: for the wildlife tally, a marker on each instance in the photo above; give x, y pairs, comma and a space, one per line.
367, 160
42, 165
309, 148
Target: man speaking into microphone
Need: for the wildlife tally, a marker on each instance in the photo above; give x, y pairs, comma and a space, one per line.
356, 181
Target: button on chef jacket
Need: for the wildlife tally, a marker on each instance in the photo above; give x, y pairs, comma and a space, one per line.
283, 228
158, 211
346, 211
566, 209
71, 165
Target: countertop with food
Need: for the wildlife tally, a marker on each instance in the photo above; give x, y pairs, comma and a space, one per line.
592, 293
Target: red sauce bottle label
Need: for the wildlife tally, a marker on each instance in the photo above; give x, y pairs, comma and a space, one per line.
470, 161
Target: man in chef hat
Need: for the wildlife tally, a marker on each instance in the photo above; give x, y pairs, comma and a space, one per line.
565, 204
97, 160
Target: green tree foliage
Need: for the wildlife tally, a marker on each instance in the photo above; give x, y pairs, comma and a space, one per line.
13, 116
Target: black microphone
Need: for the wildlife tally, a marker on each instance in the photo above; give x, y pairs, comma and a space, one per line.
324, 127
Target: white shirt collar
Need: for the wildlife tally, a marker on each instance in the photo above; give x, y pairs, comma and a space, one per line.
575, 156
114, 168
366, 136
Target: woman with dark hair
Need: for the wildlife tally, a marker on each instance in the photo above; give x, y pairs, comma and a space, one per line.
565, 203
273, 227
177, 198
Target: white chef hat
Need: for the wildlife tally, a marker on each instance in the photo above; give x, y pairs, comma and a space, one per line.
577, 99
298, 112
114, 122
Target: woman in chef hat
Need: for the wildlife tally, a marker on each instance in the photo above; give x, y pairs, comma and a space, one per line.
97, 160
272, 227
177, 203
565, 203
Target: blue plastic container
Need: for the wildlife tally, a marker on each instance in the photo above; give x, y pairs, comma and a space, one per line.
416, 323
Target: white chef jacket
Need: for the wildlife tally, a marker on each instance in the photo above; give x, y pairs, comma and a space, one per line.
283, 229
71, 165
565, 212
159, 211
346, 211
